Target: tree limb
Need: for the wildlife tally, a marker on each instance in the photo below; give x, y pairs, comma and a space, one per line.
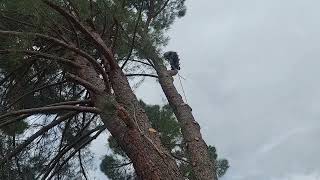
45, 55
54, 161
141, 62
92, 35
73, 48
134, 37
33, 91
161, 9
83, 82
180, 158
87, 101
37, 134
147, 75
52, 109
17, 21
120, 165
81, 165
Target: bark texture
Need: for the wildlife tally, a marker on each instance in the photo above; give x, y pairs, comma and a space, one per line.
150, 159
197, 149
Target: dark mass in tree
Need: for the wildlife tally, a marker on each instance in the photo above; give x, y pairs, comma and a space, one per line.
173, 58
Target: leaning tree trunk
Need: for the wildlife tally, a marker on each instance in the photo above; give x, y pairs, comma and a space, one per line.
128, 124
122, 115
197, 149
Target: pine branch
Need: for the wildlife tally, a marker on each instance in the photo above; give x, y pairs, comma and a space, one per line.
88, 141
81, 165
84, 83
92, 35
120, 165
44, 55
82, 102
53, 109
57, 158
82, 53
161, 9
134, 37
180, 158
146, 75
17, 21
141, 62
33, 91
43, 130
11, 121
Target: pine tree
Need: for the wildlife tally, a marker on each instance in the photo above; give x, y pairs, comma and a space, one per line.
69, 61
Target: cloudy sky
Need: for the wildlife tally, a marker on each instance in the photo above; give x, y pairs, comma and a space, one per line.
251, 70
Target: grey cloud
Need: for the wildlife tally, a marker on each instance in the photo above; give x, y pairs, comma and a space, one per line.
251, 69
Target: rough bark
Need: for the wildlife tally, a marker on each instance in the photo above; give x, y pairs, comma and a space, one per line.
197, 149
150, 159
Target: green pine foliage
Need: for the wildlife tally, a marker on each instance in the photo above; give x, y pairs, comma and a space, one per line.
117, 165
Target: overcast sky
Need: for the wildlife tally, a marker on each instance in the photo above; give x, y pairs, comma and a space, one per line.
252, 79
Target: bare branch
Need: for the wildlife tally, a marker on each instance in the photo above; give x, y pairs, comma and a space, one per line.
52, 109
141, 62
54, 161
36, 135
146, 75
83, 82
81, 165
134, 37
87, 101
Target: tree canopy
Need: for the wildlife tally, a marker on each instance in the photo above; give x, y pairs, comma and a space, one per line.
65, 67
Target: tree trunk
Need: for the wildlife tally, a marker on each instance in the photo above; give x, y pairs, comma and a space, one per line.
197, 149
150, 159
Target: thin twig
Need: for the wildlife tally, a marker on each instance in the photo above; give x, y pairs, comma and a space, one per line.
120, 165
81, 165
134, 36
141, 62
